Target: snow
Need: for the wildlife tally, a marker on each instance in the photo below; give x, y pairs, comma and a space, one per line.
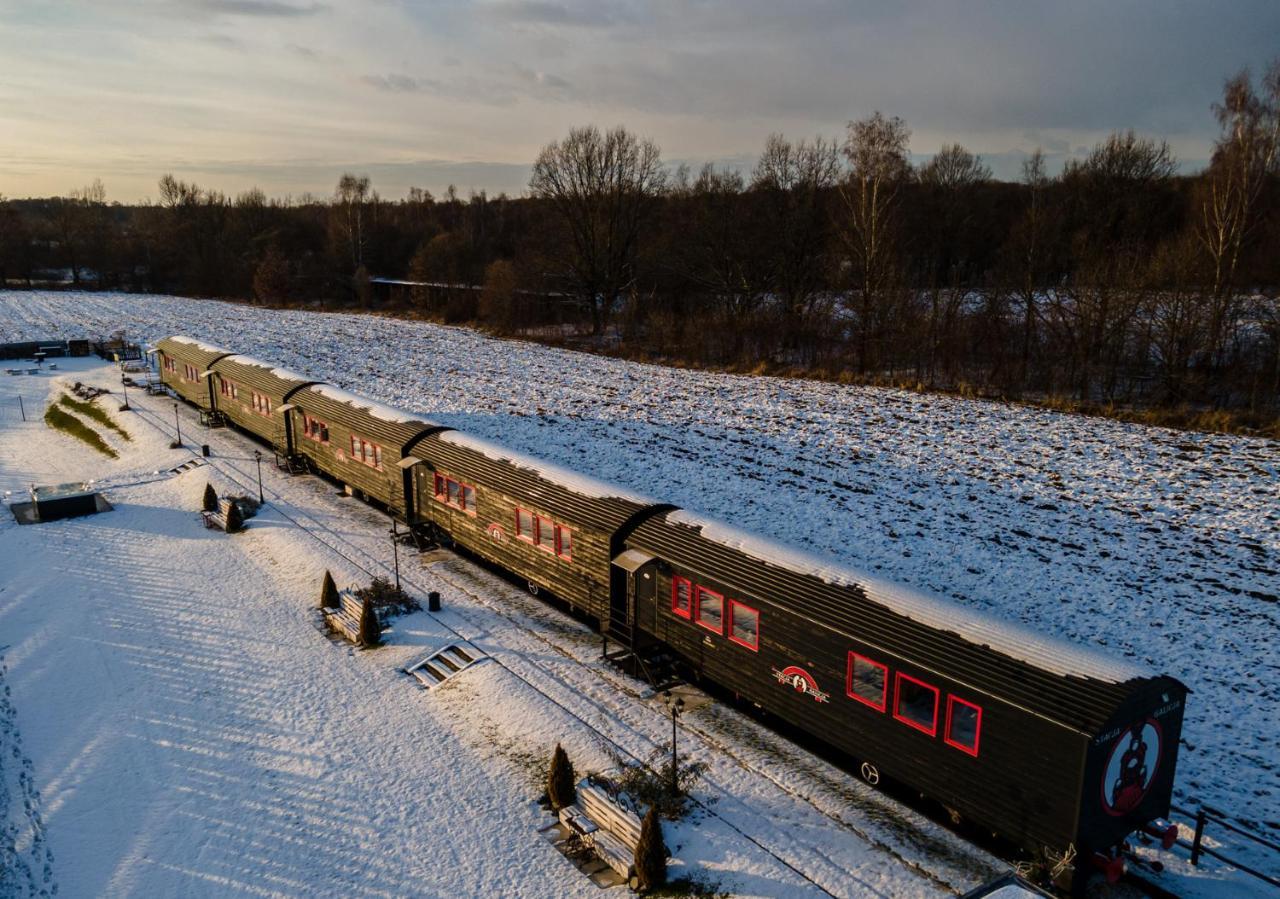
198, 344
282, 373
570, 480
1013, 640
374, 408
1155, 546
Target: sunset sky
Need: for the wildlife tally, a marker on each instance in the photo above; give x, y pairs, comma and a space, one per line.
286, 94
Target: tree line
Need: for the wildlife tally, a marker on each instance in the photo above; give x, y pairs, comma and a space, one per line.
1115, 281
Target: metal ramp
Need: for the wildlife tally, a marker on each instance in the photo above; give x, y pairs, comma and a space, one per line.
443, 664
187, 466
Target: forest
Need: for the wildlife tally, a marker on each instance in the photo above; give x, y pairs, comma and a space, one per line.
1120, 284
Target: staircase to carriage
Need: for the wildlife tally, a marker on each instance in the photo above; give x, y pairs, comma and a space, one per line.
638, 656
293, 463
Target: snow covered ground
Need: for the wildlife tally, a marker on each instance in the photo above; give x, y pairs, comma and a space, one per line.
1161, 546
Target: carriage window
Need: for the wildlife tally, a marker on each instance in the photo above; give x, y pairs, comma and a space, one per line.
546, 533
744, 625
964, 725
915, 704
468, 498
454, 493
868, 681
564, 543
682, 597
315, 429
440, 486
710, 612
524, 524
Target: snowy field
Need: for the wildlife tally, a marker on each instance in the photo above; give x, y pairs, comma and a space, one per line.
1161, 546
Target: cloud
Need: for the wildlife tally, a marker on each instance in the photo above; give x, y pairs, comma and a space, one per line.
396, 83
597, 14
259, 8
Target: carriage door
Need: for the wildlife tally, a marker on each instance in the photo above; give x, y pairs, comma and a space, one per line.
631, 591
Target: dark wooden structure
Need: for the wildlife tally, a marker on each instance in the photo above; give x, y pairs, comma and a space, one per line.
185, 369
552, 527
254, 396
1007, 727
358, 442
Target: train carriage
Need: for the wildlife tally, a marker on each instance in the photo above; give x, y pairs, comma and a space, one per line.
1051, 745
550, 526
254, 396
185, 368
357, 441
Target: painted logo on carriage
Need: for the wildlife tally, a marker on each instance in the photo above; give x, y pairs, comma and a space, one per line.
801, 681
496, 533
1131, 767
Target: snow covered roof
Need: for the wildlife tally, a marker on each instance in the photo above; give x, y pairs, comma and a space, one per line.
376, 409
1012, 639
570, 480
275, 371
198, 344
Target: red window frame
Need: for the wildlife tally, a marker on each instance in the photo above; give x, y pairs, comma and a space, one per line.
261, 403
897, 702
561, 550
311, 428
675, 596
521, 533
952, 702
544, 524
189, 373
227, 388
884, 687
366, 453
171, 364
540, 524
734, 604
442, 483
697, 609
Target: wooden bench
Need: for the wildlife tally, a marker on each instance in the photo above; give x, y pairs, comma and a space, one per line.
218, 519
345, 619
609, 828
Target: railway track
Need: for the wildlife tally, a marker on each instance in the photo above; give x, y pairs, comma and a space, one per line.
592, 684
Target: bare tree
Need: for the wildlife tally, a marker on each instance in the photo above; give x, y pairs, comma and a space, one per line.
602, 187
1030, 241
876, 149
1244, 155
350, 201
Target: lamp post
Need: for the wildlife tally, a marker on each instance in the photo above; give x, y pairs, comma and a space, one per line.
257, 455
124, 385
395, 551
177, 423
676, 704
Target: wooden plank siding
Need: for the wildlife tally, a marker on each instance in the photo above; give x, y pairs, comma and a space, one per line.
502, 486
244, 376
1035, 726
345, 416
184, 351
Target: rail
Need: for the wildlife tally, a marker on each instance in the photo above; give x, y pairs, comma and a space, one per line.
1201, 817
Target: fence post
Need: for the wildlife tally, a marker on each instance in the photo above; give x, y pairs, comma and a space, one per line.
22, 409
1195, 843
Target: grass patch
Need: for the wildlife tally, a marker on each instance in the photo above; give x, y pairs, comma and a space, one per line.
61, 420
97, 414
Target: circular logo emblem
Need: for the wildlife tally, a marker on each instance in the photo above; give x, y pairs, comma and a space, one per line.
496, 533
1131, 767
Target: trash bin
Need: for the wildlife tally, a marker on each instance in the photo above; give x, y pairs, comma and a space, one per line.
433, 601
204, 450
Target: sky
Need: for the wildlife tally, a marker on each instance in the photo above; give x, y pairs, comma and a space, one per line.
285, 95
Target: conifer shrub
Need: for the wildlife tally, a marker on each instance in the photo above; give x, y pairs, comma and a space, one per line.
651, 853
210, 498
370, 630
235, 521
329, 592
560, 780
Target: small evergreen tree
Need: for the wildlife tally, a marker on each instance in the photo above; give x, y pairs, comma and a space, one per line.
329, 592
210, 498
235, 521
370, 630
651, 853
560, 780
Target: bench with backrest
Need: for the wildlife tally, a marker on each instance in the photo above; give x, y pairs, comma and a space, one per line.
345, 619
610, 829
217, 519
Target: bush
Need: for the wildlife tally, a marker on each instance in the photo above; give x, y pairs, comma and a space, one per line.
235, 521
329, 592
650, 785
370, 629
386, 597
651, 853
249, 505
210, 498
560, 780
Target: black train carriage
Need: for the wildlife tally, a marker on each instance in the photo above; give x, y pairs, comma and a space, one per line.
1052, 746
356, 441
185, 368
254, 395
556, 529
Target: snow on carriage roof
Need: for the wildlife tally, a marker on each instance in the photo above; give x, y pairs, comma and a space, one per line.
376, 409
199, 344
1009, 638
570, 480
274, 370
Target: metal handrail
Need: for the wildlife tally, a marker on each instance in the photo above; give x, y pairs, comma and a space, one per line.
1202, 817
